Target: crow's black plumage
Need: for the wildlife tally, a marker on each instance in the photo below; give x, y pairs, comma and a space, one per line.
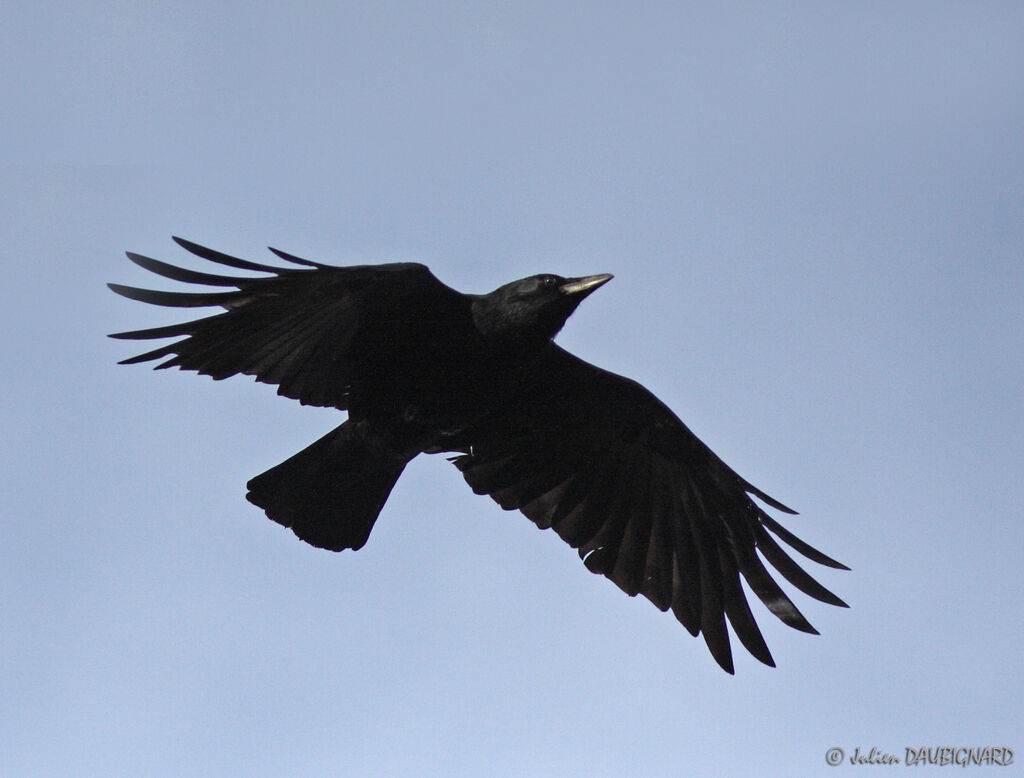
421, 368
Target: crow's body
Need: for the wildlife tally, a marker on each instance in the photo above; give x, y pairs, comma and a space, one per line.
422, 368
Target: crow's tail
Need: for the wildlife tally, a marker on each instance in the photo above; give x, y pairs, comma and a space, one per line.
331, 492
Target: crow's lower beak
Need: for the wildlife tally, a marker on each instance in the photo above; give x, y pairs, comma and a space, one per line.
584, 285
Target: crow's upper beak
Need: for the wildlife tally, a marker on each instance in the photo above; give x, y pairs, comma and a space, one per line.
585, 285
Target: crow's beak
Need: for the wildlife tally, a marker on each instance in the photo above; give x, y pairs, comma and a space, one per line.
585, 285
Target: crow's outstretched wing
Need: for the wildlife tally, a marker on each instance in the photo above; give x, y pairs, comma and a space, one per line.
618, 476
314, 330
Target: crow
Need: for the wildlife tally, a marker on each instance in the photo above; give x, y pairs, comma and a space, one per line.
421, 368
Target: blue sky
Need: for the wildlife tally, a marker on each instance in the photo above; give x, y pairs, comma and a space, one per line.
815, 216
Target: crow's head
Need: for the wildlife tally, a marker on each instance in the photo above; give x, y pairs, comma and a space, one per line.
532, 308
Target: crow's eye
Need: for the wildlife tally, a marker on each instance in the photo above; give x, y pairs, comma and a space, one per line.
548, 281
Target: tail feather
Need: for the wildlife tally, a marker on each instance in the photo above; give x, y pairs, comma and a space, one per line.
331, 492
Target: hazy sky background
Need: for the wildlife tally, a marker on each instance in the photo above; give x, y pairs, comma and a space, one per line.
815, 216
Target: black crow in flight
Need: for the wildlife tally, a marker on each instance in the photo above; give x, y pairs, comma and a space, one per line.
421, 368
